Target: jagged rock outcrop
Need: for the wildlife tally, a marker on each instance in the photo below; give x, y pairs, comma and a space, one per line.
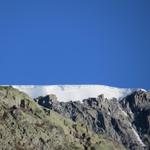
25, 125
137, 106
127, 121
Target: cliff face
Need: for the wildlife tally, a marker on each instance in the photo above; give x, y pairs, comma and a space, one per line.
137, 107
126, 121
25, 125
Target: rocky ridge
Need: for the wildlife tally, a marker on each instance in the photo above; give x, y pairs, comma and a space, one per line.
26, 125
126, 121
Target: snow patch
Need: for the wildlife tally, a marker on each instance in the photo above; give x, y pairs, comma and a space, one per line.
123, 112
142, 90
74, 92
138, 137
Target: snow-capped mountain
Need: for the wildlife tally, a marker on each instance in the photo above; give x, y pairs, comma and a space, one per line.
122, 119
74, 92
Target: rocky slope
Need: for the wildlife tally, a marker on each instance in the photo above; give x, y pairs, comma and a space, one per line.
25, 125
126, 121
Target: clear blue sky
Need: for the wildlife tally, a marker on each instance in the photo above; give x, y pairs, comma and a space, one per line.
75, 42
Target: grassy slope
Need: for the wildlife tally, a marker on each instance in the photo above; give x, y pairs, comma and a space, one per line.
28, 130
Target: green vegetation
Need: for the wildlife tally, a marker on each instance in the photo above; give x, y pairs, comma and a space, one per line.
29, 127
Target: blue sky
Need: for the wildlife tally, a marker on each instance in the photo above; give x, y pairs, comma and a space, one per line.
75, 42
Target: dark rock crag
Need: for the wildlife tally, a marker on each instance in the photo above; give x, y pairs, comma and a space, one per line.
127, 121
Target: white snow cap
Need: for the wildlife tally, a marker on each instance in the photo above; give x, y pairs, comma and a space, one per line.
74, 92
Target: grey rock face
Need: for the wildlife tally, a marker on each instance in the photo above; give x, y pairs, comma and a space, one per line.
47, 101
127, 121
24, 125
137, 106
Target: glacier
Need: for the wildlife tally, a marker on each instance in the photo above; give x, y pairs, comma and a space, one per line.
74, 92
